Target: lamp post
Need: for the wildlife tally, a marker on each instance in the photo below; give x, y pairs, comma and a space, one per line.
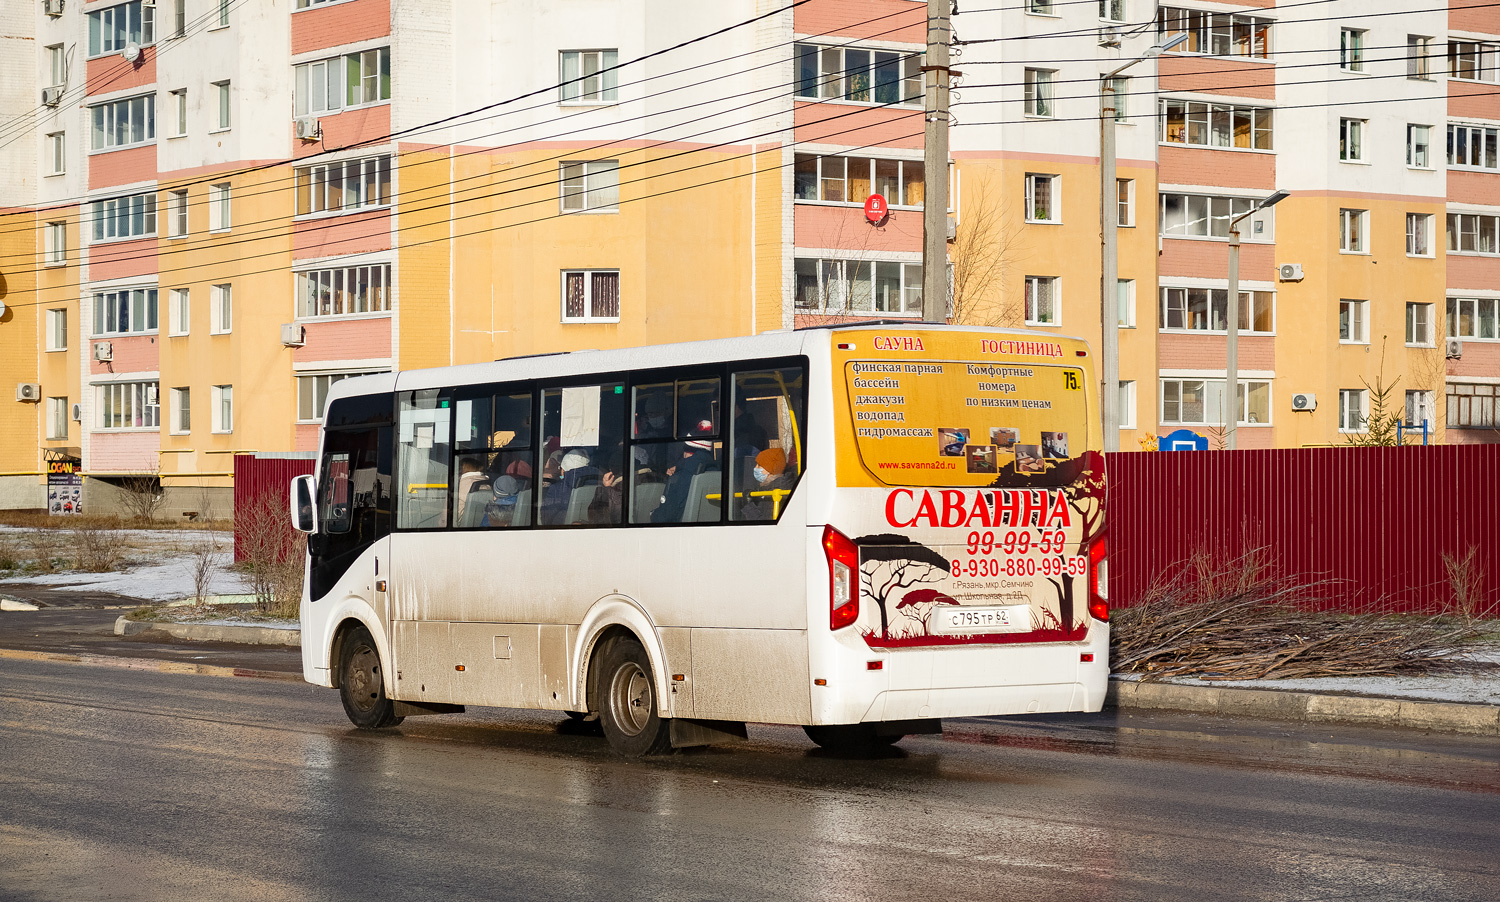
1232, 328
1109, 225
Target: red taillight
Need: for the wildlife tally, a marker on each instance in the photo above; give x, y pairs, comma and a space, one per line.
1098, 580
843, 578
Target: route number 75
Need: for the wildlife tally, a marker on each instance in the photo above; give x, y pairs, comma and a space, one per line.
1070, 381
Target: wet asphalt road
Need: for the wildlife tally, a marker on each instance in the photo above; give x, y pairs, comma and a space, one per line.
120, 784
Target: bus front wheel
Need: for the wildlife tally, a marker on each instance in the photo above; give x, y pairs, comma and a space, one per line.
851, 739
628, 709
362, 683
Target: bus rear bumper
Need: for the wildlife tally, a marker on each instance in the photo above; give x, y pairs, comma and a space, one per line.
913, 704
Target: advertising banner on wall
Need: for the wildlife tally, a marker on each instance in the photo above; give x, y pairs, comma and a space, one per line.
64, 488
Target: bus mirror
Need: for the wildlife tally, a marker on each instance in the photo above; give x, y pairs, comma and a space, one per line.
304, 512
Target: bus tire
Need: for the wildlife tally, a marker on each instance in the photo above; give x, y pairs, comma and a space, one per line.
362, 683
851, 738
628, 709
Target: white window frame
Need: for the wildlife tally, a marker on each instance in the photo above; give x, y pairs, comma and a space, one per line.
1037, 94
55, 244
1418, 152
1178, 301
1352, 140
177, 213
223, 14
108, 214
180, 412
1112, 10
57, 65
57, 153
127, 397
221, 95
179, 19
574, 87
58, 416
1352, 49
1354, 325
102, 34
1041, 8
1426, 404
1479, 142
1419, 241
1419, 57
57, 329
220, 218
1216, 125
1127, 389
1354, 403
312, 390
1483, 315
179, 311
830, 169
1214, 34
1473, 61
221, 309
1470, 403
588, 186
823, 75
221, 415
351, 184
1476, 228
136, 116
1213, 213
588, 296
1420, 331
1125, 209
1354, 231
1121, 97
341, 292
138, 316
1034, 311
1053, 215
180, 112
853, 287
1125, 291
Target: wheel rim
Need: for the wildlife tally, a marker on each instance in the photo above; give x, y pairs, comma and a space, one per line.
363, 678
630, 698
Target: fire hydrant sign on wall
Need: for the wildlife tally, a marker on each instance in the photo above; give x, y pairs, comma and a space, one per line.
876, 208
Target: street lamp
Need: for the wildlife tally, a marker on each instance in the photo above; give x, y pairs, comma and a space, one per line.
1231, 401
1109, 218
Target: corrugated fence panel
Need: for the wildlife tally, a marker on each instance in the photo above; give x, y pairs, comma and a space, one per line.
257, 474
1373, 523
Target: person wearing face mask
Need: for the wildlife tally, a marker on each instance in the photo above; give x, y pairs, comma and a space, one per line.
769, 475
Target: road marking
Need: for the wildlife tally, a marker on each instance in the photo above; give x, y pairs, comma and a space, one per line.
149, 664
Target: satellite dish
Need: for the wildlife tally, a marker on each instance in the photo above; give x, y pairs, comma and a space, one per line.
132, 52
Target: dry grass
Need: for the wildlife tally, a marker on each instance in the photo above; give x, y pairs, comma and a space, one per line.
97, 550
43, 520
272, 555
1233, 617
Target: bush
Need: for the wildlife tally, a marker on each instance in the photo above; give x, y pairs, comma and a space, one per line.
98, 549
271, 554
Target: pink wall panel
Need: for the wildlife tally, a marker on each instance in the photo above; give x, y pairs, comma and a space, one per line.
857, 126
344, 129
893, 20
112, 452
1234, 76
107, 74
1466, 15
1210, 259
355, 232
122, 167
132, 353
1472, 100
357, 339
318, 27
1472, 272
1230, 168
1465, 187
846, 229
1185, 351
1480, 358
122, 259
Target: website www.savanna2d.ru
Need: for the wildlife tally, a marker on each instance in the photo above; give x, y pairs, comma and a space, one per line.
917, 465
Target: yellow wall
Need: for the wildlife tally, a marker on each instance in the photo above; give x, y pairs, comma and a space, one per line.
21, 424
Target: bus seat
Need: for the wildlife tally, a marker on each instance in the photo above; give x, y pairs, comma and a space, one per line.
522, 516
647, 499
578, 502
474, 504
699, 507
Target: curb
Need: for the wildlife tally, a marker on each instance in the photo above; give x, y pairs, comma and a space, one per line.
245, 635
149, 664
1278, 704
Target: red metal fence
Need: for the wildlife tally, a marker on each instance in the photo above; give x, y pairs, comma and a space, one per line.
257, 476
1377, 520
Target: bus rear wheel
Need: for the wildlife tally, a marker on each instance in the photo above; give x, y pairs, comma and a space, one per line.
362, 683
851, 738
628, 709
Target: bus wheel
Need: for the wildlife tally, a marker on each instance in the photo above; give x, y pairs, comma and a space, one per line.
850, 739
628, 709
362, 683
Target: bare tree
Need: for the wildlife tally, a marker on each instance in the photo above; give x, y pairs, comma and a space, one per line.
143, 497
203, 563
981, 254
271, 554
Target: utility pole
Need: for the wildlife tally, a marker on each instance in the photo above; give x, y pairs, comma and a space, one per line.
1109, 274
1231, 403
935, 165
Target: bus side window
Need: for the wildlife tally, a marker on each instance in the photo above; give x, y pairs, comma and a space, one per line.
424, 428
766, 442
492, 441
582, 455
335, 518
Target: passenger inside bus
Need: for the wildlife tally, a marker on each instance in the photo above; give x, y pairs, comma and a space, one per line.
688, 479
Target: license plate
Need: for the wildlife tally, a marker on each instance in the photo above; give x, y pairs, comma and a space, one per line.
1013, 618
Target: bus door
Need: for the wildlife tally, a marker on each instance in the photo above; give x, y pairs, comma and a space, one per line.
348, 552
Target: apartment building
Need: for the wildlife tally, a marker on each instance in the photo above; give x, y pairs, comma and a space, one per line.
225, 206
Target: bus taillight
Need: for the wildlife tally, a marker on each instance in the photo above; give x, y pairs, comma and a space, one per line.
1098, 581
843, 566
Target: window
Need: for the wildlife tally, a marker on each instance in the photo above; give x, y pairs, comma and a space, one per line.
863, 76
114, 28
851, 286
344, 186
1125, 292
1473, 61
344, 291
1038, 92
218, 207
1417, 146
1352, 140
221, 91
125, 311
1419, 410
589, 76
590, 186
1472, 318
177, 213
1218, 34
57, 419
55, 244
1199, 402
1112, 10
591, 296
1215, 125
1473, 146
179, 311
312, 394
1125, 193
350, 80
57, 65
180, 111
127, 405
1352, 49
1418, 57
852, 179
223, 408
220, 309
1207, 310
1471, 405
57, 153
1041, 301
1353, 322
1254, 401
1354, 409
367, 76
1418, 235
57, 329
1419, 325
1119, 95
123, 123
179, 18
1352, 231
1042, 7
305, 4
132, 216
1041, 199
1473, 233
1127, 404
223, 13
182, 410
1201, 216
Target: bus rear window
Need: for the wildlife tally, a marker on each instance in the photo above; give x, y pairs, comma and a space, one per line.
965, 423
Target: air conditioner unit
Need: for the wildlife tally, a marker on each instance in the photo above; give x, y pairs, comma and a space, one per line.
1305, 401
1109, 36
28, 391
78, 413
308, 129
52, 96
52, 8
1289, 272
104, 351
1454, 348
293, 335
